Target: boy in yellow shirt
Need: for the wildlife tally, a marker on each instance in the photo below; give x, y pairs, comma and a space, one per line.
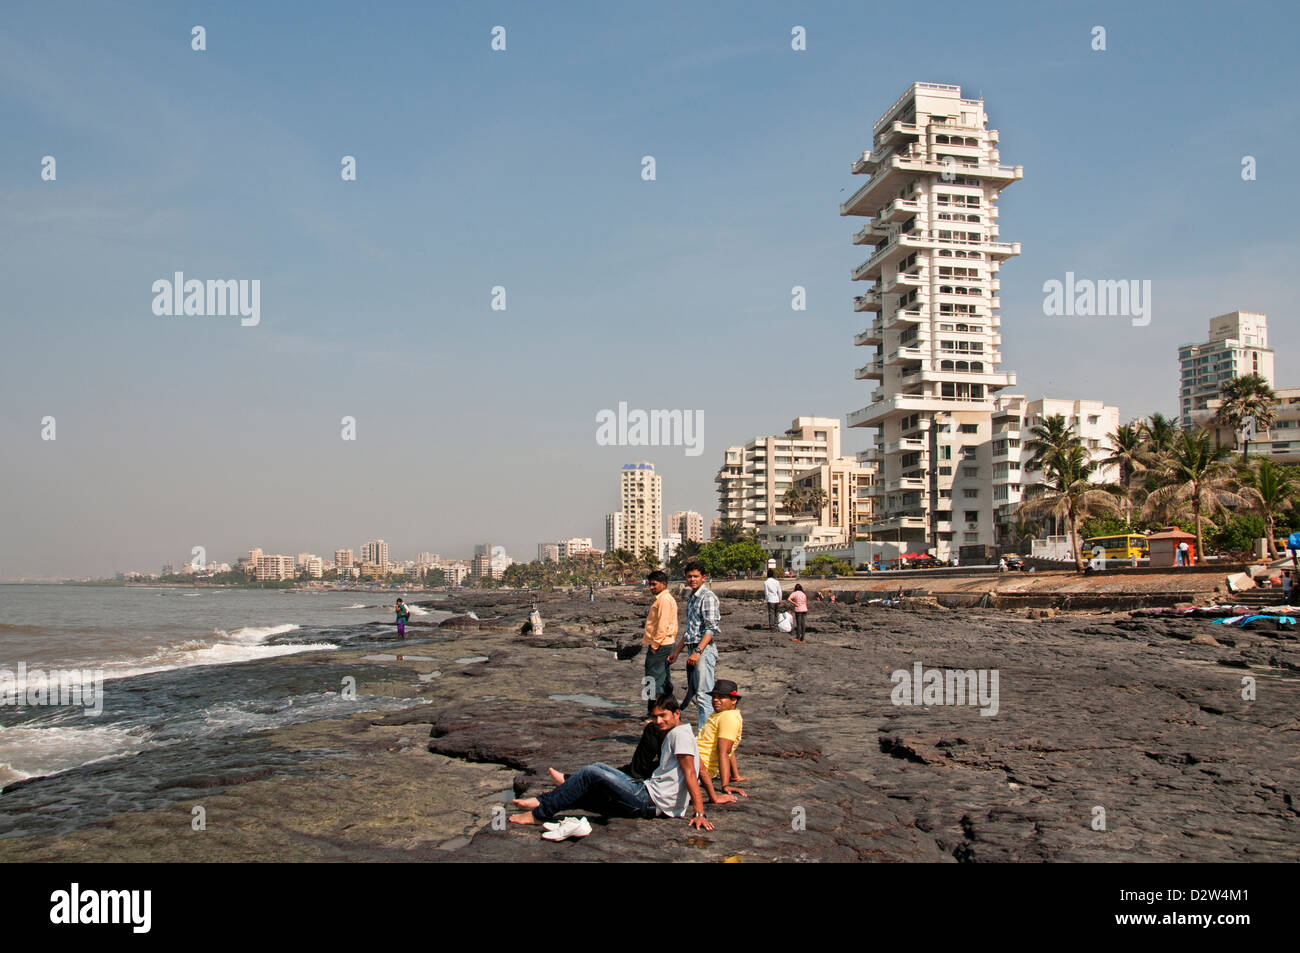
719, 739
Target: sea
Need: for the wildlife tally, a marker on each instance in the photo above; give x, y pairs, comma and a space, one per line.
177, 669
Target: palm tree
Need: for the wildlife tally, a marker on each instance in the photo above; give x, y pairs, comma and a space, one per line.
621, 562
1159, 432
1052, 441
815, 500
1271, 487
1068, 492
730, 531
794, 499
1195, 475
649, 559
1126, 454
1242, 397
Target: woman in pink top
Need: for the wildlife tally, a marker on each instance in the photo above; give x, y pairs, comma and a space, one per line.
799, 599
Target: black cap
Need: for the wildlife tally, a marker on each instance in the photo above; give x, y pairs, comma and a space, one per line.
725, 688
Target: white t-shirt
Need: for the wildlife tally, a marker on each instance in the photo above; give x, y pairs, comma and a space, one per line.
667, 786
772, 590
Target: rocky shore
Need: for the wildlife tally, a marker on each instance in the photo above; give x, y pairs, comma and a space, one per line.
1137, 723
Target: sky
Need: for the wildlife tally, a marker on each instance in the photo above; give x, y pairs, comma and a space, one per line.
522, 169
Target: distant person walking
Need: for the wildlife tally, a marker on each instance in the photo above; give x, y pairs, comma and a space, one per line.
660, 634
799, 599
772, 594
703, 617
591, 593
1182, 553
403, 614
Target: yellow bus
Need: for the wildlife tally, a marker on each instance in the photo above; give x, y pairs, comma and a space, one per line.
1118, 547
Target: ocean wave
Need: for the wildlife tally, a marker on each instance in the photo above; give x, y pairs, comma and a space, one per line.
357, 605
29, 752
223, 653
252, 634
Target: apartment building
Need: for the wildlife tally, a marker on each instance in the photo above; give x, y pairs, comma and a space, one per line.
613, 531
641, 493
375, 551
846, 484
277, 568
934, 178
343, 559
1238, 346
548, 551
753, 478
571, 547
1013, 423
1280, 442
688, 523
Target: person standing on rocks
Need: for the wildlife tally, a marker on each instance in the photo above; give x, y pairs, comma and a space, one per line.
772, 594
703, 617
403, 614
660, 634
799, 600
671, 791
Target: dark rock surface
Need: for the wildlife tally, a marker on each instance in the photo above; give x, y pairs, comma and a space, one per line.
1141, 718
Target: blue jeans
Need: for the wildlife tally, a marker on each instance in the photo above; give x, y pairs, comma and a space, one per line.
699, 681
600, 789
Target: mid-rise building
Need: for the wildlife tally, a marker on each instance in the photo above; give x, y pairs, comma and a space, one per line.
343, 559
934, 178
641, 494
571, 547
688, 523
1012, 429
752, 481
315, 567
613, 531
1238, 346
277, 568
1280, 442
375, 551
845, 485
667, 547
481, 566
548, 551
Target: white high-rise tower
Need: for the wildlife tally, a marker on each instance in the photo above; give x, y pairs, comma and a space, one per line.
932, 197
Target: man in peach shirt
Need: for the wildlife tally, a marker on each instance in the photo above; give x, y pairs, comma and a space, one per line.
660, 634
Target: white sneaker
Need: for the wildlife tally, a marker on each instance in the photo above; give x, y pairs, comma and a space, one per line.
569, 827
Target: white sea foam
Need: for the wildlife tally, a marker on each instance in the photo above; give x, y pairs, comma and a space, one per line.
28, 752
416, 610
252, 634
355, 605
223, 653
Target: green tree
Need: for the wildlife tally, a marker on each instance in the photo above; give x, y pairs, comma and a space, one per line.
1270, 488
1051, 441
688, 550
1242, 397
1195, 476
1067, 491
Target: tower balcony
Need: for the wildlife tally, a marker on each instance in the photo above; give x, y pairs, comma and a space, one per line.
870, 301
874, 370
884, 408
872, 335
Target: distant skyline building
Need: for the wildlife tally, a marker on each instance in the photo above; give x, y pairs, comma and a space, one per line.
274, 568
753, 479
934, 178
343, 559
548, 551
572, 547
641, 494
613, 531
1238, 346
375, 551
688, 523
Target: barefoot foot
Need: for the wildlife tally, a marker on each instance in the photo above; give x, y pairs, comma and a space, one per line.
527, 803
526, 818
556, 776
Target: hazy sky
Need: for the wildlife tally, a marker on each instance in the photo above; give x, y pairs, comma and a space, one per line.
522, 169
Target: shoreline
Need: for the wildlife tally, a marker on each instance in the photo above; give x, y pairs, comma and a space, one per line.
1140, 716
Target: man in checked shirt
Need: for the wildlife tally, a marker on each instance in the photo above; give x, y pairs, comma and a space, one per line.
703, 614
